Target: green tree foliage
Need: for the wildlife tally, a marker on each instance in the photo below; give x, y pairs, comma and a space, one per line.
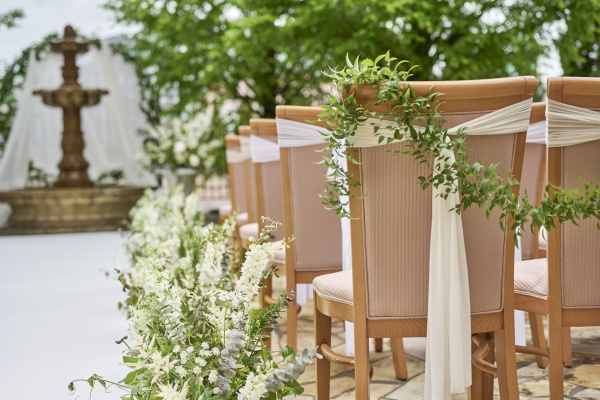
578, 44
269, 52
9, 19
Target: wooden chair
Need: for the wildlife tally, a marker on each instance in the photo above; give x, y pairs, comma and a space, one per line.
250, 193
533, 180
269, 203
237, 184
565, 285
386, 293
317, 248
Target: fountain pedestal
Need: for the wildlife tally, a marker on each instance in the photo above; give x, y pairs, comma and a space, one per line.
73, 204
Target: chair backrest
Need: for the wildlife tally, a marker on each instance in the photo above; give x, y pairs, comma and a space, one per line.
250, 182
318, 232
579, 250
267, 175
237, 184
532, 181
394, 219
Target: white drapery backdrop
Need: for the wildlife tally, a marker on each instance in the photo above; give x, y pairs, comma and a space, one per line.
110, 129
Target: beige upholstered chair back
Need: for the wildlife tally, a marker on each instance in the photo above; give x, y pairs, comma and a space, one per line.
396, 212
269, 197
532, 179
580, 247
318, 232
237, 184
249, 181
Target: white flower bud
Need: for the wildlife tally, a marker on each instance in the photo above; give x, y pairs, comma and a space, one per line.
179, 147
194, 160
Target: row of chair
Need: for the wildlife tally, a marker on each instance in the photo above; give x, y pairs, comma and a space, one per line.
385, 293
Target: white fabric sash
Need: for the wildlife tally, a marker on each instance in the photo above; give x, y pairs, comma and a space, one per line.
263, 150
570, 125
448, 356
298, 134
241, 155
536, 134
511, 119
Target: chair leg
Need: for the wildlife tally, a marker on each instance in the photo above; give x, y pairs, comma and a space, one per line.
362, 367
538, 337
555, 359
567, 350
476, 389
397, 346
507, 365
292, 325
487, 380
378, 345
323, 366
267, 290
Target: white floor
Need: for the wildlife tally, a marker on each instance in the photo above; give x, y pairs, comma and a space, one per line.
58, 314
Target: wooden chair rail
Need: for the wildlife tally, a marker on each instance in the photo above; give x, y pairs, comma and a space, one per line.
536, 351
483, 348
332, 356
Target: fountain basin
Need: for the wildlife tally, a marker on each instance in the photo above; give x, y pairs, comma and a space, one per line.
71, 97
63, 210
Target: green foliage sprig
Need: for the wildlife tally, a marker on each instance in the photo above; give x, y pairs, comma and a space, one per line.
417, 121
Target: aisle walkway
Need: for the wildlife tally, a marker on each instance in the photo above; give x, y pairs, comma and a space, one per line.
59, 316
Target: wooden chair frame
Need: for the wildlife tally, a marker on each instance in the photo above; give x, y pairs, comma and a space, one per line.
244, 130
458, 96
293, 277
232, 142
580, 92
538, 336
266, 128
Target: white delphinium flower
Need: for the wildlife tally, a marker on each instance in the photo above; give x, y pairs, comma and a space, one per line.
254, 388
190, 209
209, 270
254, 270
194, 160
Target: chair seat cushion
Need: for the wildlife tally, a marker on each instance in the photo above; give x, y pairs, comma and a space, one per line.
531, 278
278, 254
241, 219
249, 230
225, 209
335, 287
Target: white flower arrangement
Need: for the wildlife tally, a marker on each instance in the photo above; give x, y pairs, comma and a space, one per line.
176, 144
194, 334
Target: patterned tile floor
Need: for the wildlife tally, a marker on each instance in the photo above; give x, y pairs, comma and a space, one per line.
582, 381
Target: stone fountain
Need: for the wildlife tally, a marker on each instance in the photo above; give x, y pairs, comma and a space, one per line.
74, 204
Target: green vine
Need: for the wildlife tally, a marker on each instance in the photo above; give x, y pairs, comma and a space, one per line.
417, 121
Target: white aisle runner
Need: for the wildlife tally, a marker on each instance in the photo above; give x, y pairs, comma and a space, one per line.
59, 314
